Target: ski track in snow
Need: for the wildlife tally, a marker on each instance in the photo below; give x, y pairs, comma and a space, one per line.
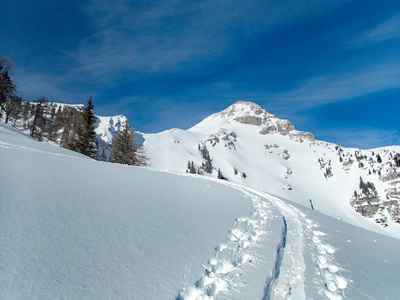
286, 279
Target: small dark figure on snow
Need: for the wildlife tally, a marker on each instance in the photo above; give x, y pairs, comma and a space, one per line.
311, 204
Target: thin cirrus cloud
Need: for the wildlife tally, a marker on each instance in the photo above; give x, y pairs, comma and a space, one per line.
178, 36
386, 30
340, 87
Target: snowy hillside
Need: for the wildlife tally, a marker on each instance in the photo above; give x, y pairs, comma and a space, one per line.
247, 145
75, 228
254, 148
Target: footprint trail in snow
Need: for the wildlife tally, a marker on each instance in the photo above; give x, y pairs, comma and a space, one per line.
285, 268
222, 272
334, 283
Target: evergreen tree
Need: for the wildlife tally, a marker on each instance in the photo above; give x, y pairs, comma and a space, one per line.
206, 166
220, 176
397, 160
361, 185
7, 86
85, 142
192, 168
58, 122
67, 119
51, 128
12, 108
39, 120
26, 110
124, 149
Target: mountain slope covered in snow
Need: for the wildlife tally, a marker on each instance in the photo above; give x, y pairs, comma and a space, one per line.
76, 228
247, 145
251, 147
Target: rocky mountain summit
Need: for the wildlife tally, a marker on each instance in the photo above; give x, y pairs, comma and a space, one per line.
252, 114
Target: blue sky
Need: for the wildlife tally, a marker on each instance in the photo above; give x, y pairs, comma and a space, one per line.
330, 67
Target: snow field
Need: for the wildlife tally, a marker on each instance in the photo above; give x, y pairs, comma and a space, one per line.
81, 229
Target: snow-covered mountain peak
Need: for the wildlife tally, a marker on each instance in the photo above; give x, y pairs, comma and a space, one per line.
250, 113
243, 108
242, 112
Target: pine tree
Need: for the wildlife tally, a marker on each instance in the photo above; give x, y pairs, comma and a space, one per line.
192, 168
51, 128
7, 86
58, 123
397, 160
85, 142
12, 108
124, 149
220, 175
361, 185
39, 120
26, 109
207, 166
68, 135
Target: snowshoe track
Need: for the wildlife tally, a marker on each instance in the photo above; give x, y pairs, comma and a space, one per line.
222, 272
286, 277
329, 272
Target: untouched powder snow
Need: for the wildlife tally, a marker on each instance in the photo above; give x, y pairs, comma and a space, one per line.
74, 228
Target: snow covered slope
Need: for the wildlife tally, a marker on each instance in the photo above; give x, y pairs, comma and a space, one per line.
75, 228
254, 148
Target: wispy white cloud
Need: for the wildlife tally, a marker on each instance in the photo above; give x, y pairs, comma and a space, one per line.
387, 30
176, 36
331, 88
